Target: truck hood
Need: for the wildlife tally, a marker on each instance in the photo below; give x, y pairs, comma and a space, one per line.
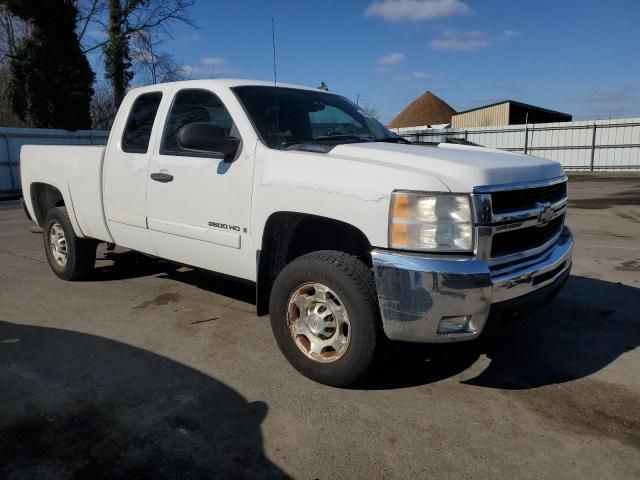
459, 167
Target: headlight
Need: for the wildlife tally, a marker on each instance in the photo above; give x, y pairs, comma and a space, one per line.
436, 222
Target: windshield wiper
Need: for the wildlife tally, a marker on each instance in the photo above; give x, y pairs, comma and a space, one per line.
324, 138
329, 138
394, 140
461, 141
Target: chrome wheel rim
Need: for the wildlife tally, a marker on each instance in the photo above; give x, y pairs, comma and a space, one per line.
58, 244
318, 322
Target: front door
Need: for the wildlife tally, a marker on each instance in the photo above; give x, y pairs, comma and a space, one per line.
198, 203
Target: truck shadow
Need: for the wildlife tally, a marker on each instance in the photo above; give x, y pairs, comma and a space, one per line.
125, 264
587, 327
79, 406
231, 287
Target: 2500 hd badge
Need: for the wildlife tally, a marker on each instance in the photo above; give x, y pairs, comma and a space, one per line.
224, 226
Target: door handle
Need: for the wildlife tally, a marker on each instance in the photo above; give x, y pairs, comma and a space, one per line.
162, 177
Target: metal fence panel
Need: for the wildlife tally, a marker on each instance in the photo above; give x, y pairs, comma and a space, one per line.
583, 145
12, 140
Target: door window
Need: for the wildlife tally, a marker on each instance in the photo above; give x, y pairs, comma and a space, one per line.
194, 106
137, 132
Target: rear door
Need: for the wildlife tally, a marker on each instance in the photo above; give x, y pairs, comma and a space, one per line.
125, 172
199, 204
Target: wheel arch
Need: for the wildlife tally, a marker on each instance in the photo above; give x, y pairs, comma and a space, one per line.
45, 196
288, 235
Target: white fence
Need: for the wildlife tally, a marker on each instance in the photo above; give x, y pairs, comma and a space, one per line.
12, 139
585, 145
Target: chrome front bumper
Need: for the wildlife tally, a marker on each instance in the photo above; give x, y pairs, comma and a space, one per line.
418, 294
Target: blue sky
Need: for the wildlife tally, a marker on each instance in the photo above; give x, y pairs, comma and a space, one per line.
577, 56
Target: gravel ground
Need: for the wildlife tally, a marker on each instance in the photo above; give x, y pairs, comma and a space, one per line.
151, 370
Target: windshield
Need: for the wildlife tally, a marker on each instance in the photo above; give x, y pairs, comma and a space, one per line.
287, 117
378, 129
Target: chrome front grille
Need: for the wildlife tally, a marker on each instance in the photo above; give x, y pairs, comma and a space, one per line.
528, 198
522, 239
519, 221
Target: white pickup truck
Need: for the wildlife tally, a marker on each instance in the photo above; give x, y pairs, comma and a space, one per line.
351, 235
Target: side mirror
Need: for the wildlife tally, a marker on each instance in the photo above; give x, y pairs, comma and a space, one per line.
210, 139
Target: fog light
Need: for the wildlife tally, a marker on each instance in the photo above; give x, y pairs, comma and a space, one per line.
454, 324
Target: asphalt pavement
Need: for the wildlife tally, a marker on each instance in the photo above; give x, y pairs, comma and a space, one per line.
152, 370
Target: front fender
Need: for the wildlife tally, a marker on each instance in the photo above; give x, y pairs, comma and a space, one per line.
351, 191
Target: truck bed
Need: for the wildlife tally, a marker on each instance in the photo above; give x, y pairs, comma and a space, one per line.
76, 171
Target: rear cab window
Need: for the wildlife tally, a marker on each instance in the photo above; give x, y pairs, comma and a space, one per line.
137, 132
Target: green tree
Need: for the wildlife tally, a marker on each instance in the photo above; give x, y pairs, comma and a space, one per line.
136, 20
117, 57
51, 80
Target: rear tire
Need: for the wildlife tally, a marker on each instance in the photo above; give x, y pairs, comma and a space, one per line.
325, 317
70, 257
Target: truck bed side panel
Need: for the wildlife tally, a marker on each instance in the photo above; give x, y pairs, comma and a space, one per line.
76, 171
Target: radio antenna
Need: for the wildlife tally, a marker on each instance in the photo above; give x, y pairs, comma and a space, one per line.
273, 42
275, 79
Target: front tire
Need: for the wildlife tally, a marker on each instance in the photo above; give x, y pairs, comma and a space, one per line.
70, 257
325, 317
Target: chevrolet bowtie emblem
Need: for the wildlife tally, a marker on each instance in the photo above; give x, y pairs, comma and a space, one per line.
546, 214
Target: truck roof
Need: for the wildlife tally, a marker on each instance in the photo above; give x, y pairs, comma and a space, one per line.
220, 82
